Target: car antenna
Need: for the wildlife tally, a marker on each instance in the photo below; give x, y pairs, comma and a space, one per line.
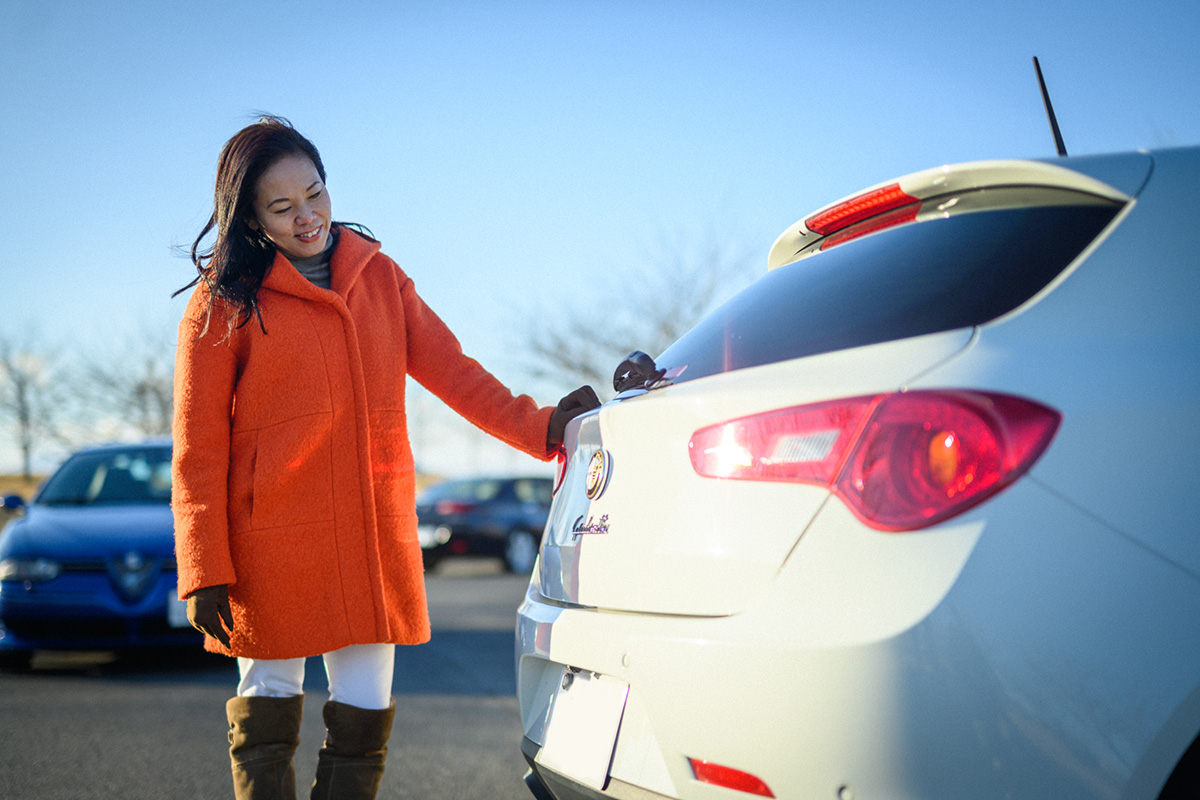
1058, 140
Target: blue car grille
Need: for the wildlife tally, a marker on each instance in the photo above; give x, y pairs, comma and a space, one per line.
102, 566
86, 604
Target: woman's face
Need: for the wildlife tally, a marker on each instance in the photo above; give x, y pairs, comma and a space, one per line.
292, 208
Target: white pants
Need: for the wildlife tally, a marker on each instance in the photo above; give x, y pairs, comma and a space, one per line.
359, 675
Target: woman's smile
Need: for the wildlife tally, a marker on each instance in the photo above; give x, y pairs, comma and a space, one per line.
313, 235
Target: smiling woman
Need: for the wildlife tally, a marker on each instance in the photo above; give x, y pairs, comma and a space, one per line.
293, 477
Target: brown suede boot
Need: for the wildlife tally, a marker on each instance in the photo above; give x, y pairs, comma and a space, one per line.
350, 765
263, 734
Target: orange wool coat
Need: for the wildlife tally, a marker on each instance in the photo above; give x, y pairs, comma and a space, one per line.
293, 478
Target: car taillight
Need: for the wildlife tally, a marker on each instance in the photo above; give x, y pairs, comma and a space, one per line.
858, 208
900, 461
447, 508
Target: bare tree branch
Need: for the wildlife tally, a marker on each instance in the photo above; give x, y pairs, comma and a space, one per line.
30, 396
646, 310
135, 387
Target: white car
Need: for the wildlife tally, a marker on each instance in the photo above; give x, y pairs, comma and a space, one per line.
914, 516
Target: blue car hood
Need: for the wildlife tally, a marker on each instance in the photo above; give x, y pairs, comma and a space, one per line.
81, 532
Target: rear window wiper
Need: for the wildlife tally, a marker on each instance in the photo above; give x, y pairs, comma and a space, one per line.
638, 371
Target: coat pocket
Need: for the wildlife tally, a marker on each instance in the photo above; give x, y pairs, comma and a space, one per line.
293, 474
242, 448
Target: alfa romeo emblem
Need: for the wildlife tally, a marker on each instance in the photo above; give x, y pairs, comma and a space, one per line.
597, 473
133, 574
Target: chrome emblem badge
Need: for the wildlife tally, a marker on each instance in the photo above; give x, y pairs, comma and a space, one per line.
598, 472
133, 574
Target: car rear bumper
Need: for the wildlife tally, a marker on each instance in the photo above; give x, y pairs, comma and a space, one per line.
942, 663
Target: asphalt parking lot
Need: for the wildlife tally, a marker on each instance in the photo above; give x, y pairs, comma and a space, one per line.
151, 724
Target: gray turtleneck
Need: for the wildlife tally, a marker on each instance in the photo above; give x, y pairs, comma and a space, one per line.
316, 268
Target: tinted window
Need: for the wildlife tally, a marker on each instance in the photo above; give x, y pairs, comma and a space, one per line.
469, 491
533, 490
918, 279
111, 476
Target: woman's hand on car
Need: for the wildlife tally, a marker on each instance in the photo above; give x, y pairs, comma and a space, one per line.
577, 402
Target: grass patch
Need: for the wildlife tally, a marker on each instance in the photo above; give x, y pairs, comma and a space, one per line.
15, 484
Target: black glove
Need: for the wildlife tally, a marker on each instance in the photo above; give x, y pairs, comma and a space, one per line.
208, 608
577, 402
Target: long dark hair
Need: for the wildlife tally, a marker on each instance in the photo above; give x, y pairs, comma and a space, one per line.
234, 267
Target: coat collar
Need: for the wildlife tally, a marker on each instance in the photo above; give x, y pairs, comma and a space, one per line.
351, 255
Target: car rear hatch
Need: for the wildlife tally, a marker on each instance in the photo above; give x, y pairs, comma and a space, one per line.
906, 272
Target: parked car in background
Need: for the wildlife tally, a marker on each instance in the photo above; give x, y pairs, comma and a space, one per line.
501, 517
912, 516
90, 562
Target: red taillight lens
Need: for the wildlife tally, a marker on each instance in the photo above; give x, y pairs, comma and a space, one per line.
717, 775
450, 507
900, 461
856, 209
806, 443
926, 456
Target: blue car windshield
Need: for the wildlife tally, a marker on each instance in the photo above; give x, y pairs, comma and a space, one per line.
141, 475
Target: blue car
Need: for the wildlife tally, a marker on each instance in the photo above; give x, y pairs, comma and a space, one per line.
89, 563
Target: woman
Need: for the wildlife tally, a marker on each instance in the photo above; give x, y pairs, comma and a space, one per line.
293, 477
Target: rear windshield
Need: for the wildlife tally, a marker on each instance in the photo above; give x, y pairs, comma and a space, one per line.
924, 278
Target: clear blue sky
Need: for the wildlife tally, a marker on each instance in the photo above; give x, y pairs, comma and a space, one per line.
514, 155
